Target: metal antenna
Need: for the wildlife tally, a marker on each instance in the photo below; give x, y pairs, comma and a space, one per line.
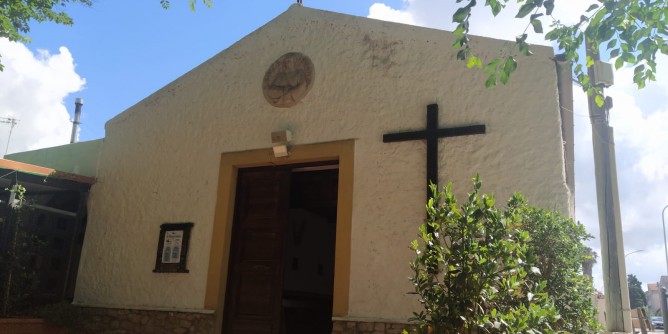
12, 122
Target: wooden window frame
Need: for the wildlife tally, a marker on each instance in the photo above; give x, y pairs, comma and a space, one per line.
178, 267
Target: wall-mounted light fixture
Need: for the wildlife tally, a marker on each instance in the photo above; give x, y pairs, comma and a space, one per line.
280, 141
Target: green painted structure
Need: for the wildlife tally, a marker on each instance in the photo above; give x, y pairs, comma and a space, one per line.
77, 158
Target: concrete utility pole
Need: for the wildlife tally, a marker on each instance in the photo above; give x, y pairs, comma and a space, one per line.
665, 245
664, 304
617, 307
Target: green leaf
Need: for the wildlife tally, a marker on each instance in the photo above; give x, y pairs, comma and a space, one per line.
611, 44
549, 6
600, 101
522, 45
491, 67
535, 16
619, 63
525, 10
504, 76
605, 31
474, 61
459, 30
525, 51
495, 5
590, 61
592, 7
491, 81
639, 79
510, 65
664, 49
461, 14
537, 26
461, 55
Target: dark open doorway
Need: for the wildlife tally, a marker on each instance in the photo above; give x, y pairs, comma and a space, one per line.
281, 268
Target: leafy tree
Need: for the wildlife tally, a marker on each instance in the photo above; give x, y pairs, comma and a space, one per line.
589, 261
16, 16
632, 31
472, 271
557, 249
480, 269
166, 3
636, 294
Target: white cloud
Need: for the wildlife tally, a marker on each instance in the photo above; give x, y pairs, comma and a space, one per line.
383, 12
639, 119
438, 14
33, 89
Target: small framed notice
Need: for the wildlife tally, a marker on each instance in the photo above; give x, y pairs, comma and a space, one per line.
173, 248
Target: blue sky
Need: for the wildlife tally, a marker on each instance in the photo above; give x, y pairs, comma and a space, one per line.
128, 49
119, 52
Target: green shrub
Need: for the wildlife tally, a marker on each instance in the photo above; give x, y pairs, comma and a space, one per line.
480, 269
557, 249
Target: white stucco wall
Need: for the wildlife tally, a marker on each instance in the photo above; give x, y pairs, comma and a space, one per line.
161, 157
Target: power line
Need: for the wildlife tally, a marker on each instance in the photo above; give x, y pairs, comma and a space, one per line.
12, 122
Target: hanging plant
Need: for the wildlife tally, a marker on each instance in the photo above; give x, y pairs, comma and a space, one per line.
18, 250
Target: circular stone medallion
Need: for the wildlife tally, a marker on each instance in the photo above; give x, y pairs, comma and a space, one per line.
288, 80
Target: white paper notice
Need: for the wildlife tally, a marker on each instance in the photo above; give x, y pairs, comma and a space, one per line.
171, 251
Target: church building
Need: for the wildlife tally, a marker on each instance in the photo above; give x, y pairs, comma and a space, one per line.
276, 187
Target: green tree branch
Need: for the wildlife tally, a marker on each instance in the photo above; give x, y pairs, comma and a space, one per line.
16, 16
632, 32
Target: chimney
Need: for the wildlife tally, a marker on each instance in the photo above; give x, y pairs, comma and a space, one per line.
77, 116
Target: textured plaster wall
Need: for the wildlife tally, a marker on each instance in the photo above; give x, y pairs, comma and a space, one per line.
161, 157
78, 158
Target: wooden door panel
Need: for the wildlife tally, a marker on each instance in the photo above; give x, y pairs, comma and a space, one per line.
255, 275
261, 211
251, 327
262, 246
255, 293
259, 201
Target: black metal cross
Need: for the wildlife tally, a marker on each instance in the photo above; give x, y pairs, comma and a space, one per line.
431, 135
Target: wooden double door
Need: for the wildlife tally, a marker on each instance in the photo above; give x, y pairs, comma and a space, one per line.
280, 275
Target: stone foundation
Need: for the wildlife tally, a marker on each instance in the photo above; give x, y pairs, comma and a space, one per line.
359, 327
121, 321
28, 326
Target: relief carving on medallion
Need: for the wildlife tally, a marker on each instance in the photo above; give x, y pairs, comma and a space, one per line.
288, 80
